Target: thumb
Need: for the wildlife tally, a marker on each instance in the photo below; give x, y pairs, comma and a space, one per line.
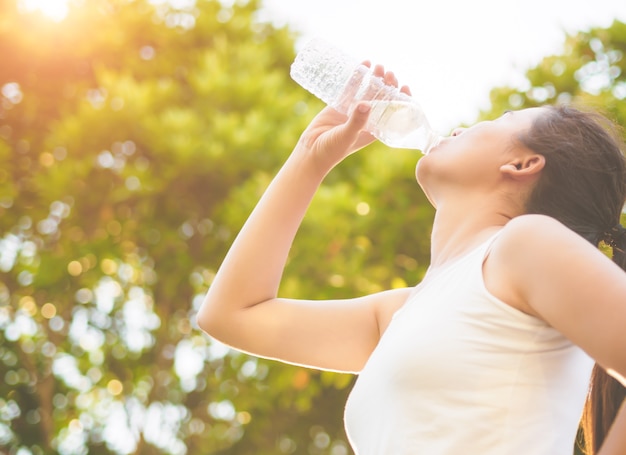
358, 119
348, 134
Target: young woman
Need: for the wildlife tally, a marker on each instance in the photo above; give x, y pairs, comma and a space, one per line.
492, 352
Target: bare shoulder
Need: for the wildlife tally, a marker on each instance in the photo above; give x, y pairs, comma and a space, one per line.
535, 252
539, 244
553, 273
533, 239
540, 263
537, 228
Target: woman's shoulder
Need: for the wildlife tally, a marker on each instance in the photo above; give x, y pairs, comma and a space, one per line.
533, 223
547, 270
539, 251
533, 251
524, 233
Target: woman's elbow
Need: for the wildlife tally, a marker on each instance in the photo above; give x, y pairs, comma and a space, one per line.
208, 319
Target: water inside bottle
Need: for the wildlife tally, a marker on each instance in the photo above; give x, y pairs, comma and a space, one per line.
400, 124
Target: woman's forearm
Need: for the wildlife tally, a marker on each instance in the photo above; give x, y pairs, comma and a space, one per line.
253, 267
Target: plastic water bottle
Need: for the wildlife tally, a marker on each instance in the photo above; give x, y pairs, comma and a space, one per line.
340, 81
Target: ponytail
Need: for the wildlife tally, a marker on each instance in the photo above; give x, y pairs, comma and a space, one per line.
616, 239
606, 394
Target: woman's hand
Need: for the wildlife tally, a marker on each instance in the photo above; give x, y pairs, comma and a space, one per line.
331, 136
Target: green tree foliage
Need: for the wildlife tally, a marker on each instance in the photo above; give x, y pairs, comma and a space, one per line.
591, 71
135, 138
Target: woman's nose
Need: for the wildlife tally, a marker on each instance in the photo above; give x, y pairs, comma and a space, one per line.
457, 131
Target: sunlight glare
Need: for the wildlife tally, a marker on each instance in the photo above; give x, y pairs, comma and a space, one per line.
55, 9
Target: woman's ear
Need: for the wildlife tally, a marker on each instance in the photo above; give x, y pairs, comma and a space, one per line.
524, 167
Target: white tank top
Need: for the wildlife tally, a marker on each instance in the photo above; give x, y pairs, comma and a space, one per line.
459, 372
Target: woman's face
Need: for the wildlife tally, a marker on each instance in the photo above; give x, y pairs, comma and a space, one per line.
473, 157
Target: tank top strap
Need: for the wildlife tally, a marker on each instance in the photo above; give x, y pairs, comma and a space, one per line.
489, 244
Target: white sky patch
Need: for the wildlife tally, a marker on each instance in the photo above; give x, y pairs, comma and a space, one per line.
451, 53
55, 9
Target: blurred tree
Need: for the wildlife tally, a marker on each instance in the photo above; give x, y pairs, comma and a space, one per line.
135, 137
590, 73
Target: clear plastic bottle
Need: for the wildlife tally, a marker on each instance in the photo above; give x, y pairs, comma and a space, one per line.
336, 78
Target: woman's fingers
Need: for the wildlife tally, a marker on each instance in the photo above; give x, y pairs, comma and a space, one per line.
379, 70
390, 78
376, 88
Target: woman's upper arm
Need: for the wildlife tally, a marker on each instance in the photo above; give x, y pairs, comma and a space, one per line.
615, 441
570, 284
334, 335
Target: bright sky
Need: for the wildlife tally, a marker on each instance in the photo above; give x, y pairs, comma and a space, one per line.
450, 52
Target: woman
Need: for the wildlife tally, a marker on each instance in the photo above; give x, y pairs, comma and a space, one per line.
491, 352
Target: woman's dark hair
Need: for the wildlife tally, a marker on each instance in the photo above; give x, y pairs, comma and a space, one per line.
583, 185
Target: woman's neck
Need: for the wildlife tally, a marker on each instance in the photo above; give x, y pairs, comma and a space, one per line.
457, 230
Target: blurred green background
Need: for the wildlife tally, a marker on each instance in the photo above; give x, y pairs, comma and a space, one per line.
135, 138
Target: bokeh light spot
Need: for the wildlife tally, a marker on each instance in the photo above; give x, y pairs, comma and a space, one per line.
74, 268
108, 266
115, 387
363, 208
27, 304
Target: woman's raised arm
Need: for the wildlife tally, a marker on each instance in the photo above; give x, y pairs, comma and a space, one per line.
242, 309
